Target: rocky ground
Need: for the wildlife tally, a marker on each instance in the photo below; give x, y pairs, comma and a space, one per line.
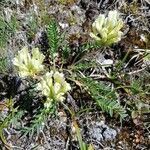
74, 18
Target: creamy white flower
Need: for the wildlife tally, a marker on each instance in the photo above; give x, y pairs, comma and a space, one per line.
53, 86
106, 30
29, 64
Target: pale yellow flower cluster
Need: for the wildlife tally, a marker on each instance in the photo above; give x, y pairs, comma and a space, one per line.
29, 64
106, 30
53, 86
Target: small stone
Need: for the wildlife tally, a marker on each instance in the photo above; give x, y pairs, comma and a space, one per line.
97, 134
109, 134
62, 116
63, 25
143, 38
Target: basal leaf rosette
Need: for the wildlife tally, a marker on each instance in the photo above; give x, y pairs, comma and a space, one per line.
29, 64
106, 30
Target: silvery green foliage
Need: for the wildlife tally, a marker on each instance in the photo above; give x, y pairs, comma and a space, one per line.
106, 30
105, 98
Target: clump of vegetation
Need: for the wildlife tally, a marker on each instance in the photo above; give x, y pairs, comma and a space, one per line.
7, 28
50, 78
104, 97
53, 84
3, 64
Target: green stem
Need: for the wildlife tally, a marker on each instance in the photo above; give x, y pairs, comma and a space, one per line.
66, 107
124, 59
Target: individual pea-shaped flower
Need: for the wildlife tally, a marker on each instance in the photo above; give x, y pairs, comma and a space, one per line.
29, 64
53, 86
106, 30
